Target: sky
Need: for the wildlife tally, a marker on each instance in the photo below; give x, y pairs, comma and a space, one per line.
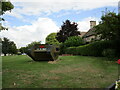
33, 20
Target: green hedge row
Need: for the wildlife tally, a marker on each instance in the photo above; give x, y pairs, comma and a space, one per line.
93, 49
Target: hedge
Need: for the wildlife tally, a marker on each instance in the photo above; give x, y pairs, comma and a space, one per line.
93, 49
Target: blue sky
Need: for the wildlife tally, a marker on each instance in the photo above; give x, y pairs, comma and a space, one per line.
33, 21
62, 15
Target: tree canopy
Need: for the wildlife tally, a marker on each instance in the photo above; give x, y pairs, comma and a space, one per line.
33, 43
8, 47
109, 29
67, 29
51, 39
25, 49
4, 6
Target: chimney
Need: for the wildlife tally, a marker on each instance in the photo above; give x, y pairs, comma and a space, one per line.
92, 24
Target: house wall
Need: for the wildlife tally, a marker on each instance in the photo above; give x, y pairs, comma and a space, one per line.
88, 39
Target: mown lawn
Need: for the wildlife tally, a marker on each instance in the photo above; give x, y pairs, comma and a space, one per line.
67, 72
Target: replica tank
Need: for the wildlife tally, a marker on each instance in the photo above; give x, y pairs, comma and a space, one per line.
43, 52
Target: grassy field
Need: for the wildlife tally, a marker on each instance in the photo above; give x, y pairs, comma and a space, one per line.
67, 72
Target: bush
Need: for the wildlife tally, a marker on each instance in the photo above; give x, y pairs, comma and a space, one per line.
71, 42
93, 49
71, 50
62, 49
74, 41
110, 53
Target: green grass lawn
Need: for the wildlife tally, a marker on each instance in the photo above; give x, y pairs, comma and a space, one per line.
67, 72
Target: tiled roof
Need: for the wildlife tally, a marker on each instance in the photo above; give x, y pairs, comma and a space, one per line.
89, 33
82, 34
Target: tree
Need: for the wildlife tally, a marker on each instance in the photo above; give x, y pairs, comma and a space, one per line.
109, 29
67, 29
12, 48
4, 6
5, 46
8, 47
73, 41
51, 39
23, 50
33, 43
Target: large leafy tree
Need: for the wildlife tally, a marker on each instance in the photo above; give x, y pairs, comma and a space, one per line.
8, 47
67, 29
4, 6
51, 39
12, 48
5, 46
109, 29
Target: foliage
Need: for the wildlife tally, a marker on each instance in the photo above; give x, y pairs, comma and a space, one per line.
71, 50
25, 49
67, 29
93, 49
33, 43
8, 47
62, 48
73, 41
51, 39
4, 6
110, 53
109, 29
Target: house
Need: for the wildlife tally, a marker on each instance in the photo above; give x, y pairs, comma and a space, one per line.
82, 34
90, 35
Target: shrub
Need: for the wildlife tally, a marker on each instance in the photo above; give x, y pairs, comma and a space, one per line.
110, 53
93, 49
71, 50
74, 41
62, 49
71, 42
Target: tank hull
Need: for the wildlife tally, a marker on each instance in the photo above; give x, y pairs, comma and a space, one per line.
42, 52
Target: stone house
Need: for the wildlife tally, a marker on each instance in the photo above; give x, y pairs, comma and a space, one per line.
90, 35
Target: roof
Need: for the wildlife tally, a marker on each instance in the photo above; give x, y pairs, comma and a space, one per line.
91, 32
82, 34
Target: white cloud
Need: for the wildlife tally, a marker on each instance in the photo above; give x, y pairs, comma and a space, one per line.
36, 7
38, 30
24, 35
63, 14
84, 25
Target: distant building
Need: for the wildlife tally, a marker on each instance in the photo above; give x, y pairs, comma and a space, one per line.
82, 34
90, 35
